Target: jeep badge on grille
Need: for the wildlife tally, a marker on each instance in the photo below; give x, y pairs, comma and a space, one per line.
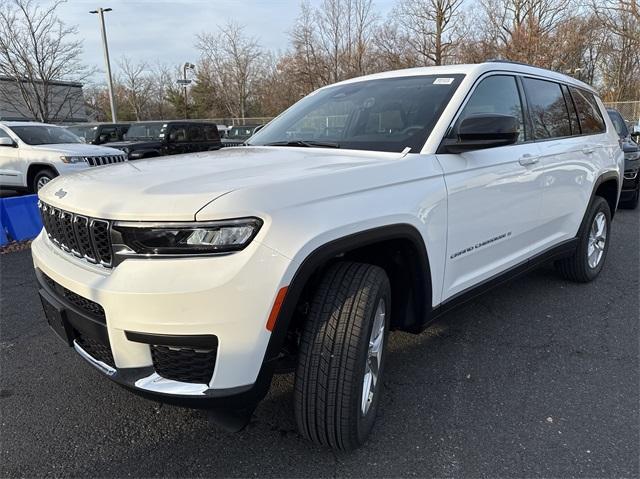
60, 193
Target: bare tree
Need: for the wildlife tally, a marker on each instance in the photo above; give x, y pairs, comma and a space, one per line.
38, 51
430, 27
137, 84
235, 60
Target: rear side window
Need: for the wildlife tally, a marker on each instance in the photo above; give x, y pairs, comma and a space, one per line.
211, 132
591, 120
549, 112
495, 94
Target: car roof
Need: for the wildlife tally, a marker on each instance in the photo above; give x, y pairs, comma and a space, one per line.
24, 123
100, 123
474, 69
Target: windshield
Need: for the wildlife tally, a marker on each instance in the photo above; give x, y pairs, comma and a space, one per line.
86, 133
145, 131
44, 135
619, 124
378, 115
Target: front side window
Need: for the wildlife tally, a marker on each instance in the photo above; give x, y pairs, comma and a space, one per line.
45, 135
549, 112
196, 133
497, 94
146, 131
110, 132
388, 114
591, 120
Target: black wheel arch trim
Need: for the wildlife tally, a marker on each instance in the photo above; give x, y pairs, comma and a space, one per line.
604, 177
332, 249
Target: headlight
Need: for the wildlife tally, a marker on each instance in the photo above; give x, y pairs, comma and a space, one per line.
173, 239
633, 155
73, 159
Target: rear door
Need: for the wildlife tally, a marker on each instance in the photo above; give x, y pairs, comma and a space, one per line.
11, 173
569, 131
494, 194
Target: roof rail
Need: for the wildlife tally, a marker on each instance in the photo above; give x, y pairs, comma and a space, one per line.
497, 60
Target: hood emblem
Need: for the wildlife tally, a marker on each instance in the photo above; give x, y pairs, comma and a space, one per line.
60, 193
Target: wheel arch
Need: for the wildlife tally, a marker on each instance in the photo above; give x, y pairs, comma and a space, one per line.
607, 186
411, 293
35, 168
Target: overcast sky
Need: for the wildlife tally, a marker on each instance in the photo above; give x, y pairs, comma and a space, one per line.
166, 30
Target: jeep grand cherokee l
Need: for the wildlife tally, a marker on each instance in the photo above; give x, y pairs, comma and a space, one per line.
371, 205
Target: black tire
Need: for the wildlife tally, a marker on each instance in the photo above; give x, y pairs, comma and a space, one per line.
632, 204
333, 356
576, 267
46, 174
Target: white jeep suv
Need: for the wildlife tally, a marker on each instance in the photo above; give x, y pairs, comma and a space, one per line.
372, 205
32, 154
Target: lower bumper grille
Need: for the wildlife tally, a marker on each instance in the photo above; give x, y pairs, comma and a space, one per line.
92, 308
95, 349
184, 364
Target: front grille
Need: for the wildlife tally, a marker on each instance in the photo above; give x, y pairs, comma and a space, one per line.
92, 308
95, 349
105, 160
87, 238
184, 364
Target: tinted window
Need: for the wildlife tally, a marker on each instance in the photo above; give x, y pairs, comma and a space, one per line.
618, 123
548, 109
196, 133
111, 133
573, 114
178, 133
211, 132
387, 114
496, 94
4, 134
591, 120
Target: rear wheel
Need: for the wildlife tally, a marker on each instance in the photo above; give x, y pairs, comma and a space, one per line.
593, 243
341, 360
41, 178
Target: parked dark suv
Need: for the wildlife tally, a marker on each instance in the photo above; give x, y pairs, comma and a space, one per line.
157, 138
630, 195
99, 133
237, 135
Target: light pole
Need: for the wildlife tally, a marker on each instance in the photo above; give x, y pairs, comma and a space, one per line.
185, 82
105, 47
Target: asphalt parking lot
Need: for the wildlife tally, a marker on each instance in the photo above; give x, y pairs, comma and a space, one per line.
537, 378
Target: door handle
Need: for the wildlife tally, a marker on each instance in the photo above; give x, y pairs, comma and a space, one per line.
587, 150
527, 159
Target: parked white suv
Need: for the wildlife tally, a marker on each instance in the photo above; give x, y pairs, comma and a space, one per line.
32, 154
375, 204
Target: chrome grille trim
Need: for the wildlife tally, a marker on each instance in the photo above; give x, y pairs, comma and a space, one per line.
84, 237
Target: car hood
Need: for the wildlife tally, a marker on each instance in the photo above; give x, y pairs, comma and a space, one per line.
76, 149
175, 188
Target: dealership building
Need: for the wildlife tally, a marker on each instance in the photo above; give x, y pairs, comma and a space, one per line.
65, 104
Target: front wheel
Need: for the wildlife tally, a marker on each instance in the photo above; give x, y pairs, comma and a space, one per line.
338, 380
593, 243
42, 178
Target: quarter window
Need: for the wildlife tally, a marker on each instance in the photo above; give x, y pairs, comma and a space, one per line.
549, 112
589, 114
496, 94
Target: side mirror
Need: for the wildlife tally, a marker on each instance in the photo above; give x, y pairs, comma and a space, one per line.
478, 132
7, 142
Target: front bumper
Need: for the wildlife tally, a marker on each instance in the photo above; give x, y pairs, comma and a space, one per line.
226, 297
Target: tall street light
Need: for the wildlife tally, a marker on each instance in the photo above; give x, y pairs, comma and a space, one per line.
105, 47
185, 82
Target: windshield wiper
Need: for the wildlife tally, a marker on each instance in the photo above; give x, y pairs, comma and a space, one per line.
304, 143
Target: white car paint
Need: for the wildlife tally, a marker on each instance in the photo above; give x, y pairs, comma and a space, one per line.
306, 198
16, 160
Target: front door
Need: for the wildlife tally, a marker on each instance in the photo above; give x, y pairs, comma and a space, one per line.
11, 173
494, 196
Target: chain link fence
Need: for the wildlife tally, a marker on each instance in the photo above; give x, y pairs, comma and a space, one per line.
630, 110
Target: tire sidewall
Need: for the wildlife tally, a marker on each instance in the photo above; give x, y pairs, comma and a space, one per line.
44, 173
600, 205
365, 422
